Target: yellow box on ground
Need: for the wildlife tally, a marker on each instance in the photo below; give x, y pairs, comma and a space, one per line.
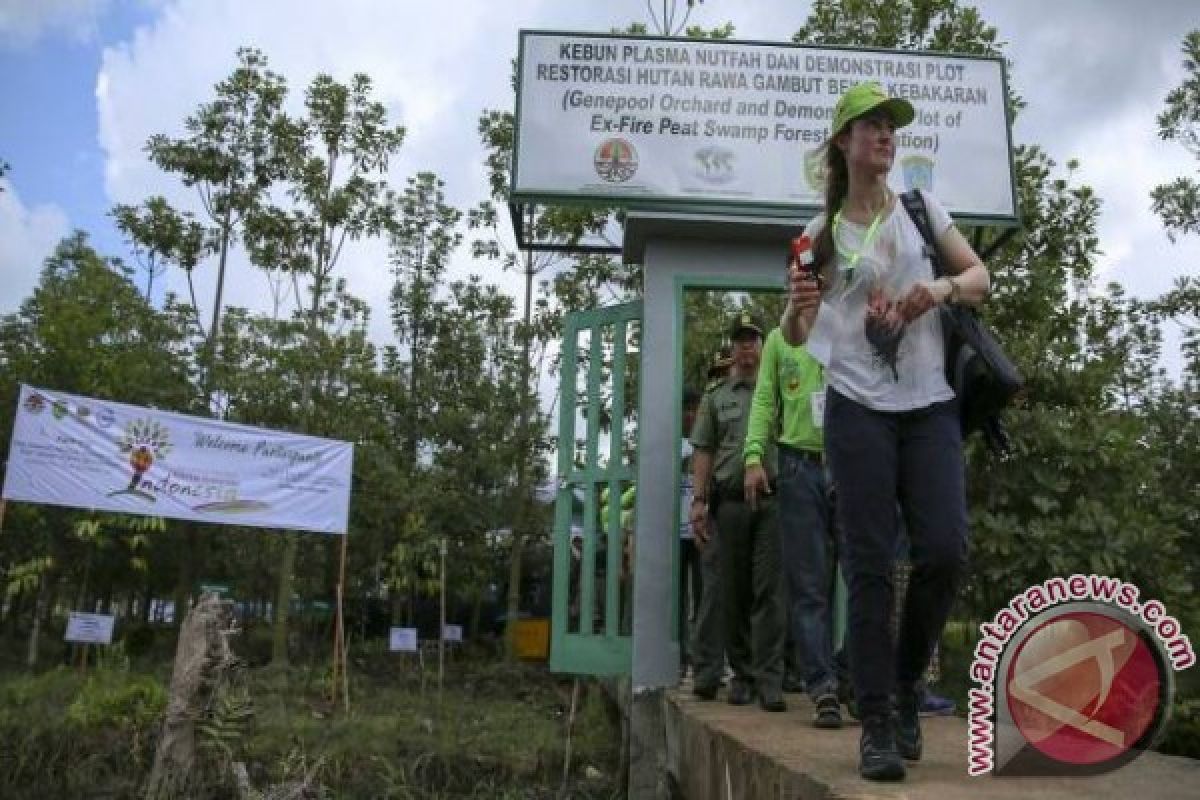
533, 639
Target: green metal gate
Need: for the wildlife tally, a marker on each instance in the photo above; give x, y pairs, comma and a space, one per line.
591, 631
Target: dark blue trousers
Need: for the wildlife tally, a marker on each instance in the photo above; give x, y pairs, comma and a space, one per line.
879, 458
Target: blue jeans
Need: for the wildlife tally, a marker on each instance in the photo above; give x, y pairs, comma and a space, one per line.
808, 559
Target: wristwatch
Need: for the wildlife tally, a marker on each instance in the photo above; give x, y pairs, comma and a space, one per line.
955, 291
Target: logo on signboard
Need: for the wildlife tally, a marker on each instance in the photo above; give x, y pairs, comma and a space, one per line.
35, 403
918, 173
615, 160
144, 440
714, 164
814, 169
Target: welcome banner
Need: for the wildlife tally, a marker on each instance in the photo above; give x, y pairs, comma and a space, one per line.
84, 453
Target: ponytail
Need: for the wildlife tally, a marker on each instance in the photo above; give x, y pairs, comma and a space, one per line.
837, 184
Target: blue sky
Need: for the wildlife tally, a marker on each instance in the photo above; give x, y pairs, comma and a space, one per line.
48, 123
84, 82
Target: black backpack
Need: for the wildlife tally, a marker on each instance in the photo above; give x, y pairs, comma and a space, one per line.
978, 370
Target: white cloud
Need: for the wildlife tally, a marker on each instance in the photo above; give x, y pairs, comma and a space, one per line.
29, 235
23, 22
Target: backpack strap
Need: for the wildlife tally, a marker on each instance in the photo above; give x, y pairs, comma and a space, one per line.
914, 204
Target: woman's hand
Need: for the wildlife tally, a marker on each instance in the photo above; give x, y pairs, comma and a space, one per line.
923, 296
882, 314
804, 291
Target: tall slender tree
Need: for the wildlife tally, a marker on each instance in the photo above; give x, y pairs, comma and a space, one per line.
231, 156
335, 160
423, 236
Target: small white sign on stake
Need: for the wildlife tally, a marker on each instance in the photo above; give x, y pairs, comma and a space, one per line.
452, 633
90, 628
403, 640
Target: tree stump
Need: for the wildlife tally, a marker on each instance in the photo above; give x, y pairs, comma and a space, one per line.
202, 658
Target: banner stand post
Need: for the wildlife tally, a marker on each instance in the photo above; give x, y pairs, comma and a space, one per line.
340, 665
442, 614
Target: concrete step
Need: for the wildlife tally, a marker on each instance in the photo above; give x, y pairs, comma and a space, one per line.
716, 751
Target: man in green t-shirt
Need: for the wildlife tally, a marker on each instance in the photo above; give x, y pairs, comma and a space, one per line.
751, 577
791, 385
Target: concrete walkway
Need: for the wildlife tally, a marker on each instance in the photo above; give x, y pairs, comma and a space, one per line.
717, 751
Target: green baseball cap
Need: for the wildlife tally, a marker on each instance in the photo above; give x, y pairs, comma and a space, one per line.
868, 96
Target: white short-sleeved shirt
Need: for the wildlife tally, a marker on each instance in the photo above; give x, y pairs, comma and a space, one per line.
892, 262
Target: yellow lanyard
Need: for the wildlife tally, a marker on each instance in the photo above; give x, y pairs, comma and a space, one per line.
853, 256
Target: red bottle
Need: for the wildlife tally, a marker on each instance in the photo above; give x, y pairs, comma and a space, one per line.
802, 255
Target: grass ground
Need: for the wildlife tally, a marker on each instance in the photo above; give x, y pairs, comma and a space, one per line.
494, 731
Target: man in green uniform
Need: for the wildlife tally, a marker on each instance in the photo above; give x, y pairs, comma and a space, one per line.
708, 642
751, 576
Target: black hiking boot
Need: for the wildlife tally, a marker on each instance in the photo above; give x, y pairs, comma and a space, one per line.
878, 758
908, 725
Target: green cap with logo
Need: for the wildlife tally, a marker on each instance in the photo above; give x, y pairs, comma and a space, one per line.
745, 321
864, 97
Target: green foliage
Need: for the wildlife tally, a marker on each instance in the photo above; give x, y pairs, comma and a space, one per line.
24, 577
1178, 202
69, 734
160, 236
114, 697
225, 723
1182, 737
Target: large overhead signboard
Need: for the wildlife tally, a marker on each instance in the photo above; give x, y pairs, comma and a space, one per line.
738, 127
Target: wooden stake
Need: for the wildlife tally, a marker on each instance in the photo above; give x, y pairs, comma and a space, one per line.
562, 790
340, 665
345, 659
442, 633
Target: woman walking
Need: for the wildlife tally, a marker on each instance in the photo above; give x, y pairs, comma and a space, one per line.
891, 420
